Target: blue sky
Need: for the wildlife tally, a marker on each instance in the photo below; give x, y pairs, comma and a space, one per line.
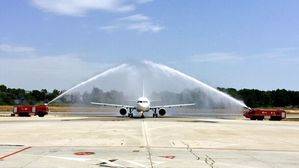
241, 44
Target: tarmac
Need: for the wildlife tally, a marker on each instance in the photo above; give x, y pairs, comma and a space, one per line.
111, 141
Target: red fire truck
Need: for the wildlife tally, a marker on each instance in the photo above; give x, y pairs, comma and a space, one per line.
261, 114
29, 110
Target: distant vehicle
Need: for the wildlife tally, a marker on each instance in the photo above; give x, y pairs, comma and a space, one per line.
29, 110
261, 114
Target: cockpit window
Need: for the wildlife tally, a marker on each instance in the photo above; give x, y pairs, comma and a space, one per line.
139, 101
142, 102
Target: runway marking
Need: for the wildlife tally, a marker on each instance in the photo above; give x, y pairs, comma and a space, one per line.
109, 163
10, 145
144, 132
184, 147
168, 157
70, 158
145, 140
172, 143
122, 142
207, 159
84, 153
15, 152
191, 151
103, 162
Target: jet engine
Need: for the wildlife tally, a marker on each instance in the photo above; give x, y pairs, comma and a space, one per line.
123, 111
162, 112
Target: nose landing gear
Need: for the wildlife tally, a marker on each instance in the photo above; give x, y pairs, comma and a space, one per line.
142, 115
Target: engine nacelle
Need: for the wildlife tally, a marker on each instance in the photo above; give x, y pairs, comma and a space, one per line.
123, 111
162, 112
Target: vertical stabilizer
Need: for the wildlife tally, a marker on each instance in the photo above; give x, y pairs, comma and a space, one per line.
142, 88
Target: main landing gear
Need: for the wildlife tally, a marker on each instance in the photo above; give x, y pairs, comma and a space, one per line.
130, 115
155, 115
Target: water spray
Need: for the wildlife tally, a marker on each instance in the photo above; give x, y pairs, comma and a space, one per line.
89, 80
128, 77
175, 72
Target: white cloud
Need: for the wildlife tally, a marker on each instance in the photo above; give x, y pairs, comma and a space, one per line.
281, 55
109, 28
135, 18
37, 72
137, 22
81, 7
8, 48
145, 27
144, 1
216, 57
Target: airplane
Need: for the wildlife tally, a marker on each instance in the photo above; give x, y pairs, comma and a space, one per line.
142, 105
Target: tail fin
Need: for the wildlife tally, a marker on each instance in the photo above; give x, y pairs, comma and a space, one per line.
142, 88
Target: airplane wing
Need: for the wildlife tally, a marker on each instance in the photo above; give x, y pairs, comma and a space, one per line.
173, 105
112, 105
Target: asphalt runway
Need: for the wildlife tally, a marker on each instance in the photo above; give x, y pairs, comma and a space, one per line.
80, 141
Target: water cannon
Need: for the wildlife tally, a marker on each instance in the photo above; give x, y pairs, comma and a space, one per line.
246, 110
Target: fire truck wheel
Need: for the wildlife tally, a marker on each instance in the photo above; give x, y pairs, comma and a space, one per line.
41, 115
275, 118
24, 115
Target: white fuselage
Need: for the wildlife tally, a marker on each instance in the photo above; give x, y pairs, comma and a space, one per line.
143, 104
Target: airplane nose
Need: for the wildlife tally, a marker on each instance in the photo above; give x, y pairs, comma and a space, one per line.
141, 107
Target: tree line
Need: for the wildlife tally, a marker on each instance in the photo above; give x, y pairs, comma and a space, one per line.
251, 97
17, 96
13, 96
260, 98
